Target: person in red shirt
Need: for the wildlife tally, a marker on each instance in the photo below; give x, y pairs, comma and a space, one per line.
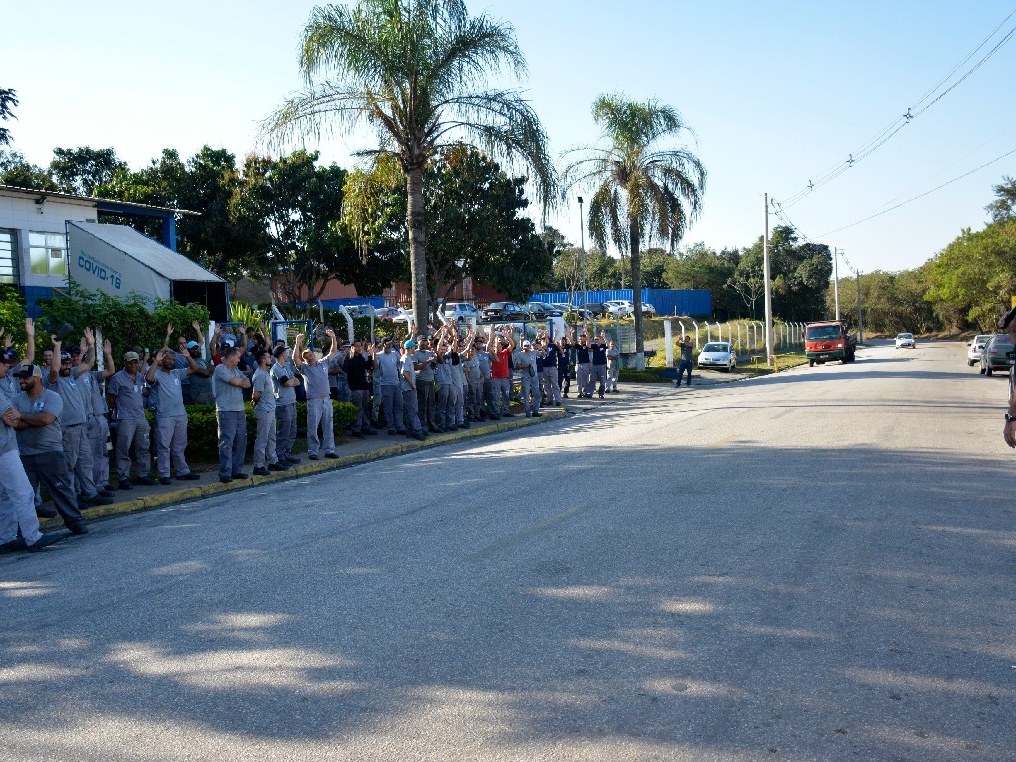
501, 345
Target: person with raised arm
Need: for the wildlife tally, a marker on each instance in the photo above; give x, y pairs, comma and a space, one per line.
319, 401
167, 382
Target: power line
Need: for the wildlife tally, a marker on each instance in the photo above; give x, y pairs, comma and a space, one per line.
922, 195
912, 112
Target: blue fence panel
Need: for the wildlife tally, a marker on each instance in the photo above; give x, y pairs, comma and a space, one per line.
667, 301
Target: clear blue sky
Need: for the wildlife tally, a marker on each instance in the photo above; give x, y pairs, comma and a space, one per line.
776, 92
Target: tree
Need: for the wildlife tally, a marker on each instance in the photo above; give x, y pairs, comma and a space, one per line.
8, 102
300, 204
1004, 206
81, 170
699, 267
642, 192
748, 281
415, 71
16, 170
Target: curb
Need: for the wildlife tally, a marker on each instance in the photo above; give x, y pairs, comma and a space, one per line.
151, 502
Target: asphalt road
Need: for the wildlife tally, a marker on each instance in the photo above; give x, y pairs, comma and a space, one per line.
817, 565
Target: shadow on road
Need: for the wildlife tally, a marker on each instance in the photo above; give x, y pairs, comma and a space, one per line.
689, 609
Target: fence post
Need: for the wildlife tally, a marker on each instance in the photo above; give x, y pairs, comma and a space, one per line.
738, 337
696, 333
668, 341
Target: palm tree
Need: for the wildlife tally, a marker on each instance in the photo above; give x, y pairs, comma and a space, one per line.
416, 72
642, 192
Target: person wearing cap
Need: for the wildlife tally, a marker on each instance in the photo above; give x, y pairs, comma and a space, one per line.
407, 385
551, 354
201, 379
338, 384
465, 348
125, 396
40, 442
284, 384
483, 359
231, 414
166, 381
447, 357
10, 357
66, 380
525, 364
319, 402
19, 524
183, 347
612, 367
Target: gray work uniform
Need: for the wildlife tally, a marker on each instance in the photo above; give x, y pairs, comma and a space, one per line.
17, 498
74, 428
408, 389
264, 415
388, 367
285, 409
201, 392
489, 396
426, 394
231, 415
97, 426
319, 408
131, 425
444, 416
42, 454
525, 364
170, 422
612, 368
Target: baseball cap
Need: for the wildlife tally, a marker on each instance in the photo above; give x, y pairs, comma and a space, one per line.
228, 341
74, 349
527, 343
65, 356
192, 344
280, 351
410, 344
29, 371
128, 356
9, 356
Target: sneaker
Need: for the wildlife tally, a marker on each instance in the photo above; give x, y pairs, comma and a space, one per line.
190, 476
165, 480
291, 460
421, 436
13, 546
225, 479
146, 480
313, 456
278, 467
45, 512
331, 455
240, 475
261, 471
47, 539
125, 484
537, 415
98, 499
107, 487
78, 528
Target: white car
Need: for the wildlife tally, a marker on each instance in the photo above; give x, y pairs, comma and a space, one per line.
404, 316
905, 340
976, 347
648, 309
618, 308
460, 311
718, 354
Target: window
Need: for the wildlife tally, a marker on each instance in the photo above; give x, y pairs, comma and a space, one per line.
48, 253
8, 257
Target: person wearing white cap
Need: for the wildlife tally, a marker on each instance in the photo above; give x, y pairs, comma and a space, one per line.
407, 385
125, 395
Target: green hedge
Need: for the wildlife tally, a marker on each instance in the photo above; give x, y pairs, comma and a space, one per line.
203, 430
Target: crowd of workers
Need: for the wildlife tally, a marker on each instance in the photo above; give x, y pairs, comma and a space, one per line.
58, 415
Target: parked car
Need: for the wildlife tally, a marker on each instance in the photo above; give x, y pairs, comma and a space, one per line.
505, 311
997, 354
543, 310
905, 340
385, 313
404, 316
718, 354
975, 347
361, 310
460, 311
618, 308
591, 310
648, 309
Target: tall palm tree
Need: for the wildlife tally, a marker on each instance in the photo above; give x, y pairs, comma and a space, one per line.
641, 192
416, 72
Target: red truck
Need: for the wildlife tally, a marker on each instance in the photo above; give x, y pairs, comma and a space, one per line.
829, 340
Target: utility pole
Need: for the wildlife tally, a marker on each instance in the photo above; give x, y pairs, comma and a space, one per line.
582, 234
836, 280
770, 359
860, 323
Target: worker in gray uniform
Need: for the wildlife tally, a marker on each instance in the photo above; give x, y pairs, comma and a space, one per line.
167, 382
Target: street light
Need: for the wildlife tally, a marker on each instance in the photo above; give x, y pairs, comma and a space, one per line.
582, 234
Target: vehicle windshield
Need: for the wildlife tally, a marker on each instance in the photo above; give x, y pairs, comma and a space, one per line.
714, 347
905, 336
983, 339
820, 332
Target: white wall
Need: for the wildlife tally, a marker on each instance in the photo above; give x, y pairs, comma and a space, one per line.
20, 213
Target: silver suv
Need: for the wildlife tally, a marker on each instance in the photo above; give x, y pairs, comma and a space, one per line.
460, 312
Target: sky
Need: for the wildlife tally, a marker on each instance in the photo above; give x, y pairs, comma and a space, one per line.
776, 93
